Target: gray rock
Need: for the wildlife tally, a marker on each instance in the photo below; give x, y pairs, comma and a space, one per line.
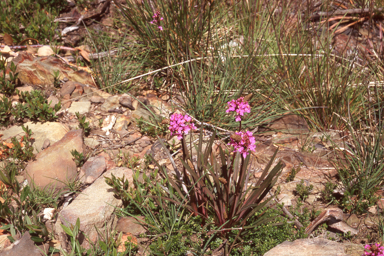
24, 246
82, 107
97, 99
316, 247
55, 166
95, 206
91, 142
92, 169
110, 103
126, 102
49, 130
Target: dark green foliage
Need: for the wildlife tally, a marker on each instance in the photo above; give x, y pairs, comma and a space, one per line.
303, 191
154, 127
8, 87
34, 19
82, 124
5, 111
79, 158
35, 107
258, 241
23, 213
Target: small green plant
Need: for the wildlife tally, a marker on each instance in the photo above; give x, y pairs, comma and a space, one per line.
82, 124
5, 111
56, 78
124, 159
154, 127
292, 174
35, 107
327, 193
303, 190
73, 232
79, 158
21, 208
8, 87
19, 149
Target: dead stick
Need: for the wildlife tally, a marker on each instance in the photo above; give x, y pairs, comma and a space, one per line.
344, 12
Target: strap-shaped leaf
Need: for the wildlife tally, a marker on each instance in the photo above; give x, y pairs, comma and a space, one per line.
209, 148
267, 168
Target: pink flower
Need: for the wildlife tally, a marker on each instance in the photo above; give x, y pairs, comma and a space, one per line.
180, 124
240, 106
156, 20
243, 142
374, 250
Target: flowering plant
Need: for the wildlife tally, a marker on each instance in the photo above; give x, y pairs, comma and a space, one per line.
156, 20
374, 250
239, 106
180, 124
216, 186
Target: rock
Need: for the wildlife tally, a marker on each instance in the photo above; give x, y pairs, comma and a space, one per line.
49, 130
159, 106
91, 142
291, 124
126, 101
141, 112
95, 206
144, 141
132, 138
40, 70
111, 103
79, 90
67, 88
97, 99
122, 123
55, 166
92, 169
45, 51
46, 144
131, 225
108, 123
82, 107
52, 100
316, 246
24, 246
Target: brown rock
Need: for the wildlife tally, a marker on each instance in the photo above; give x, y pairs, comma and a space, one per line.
292, 124
52, 100
40, 70
55, 166
67, 88
131, 225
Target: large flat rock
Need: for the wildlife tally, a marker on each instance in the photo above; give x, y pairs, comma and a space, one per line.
41, 131
54, 166
95, 206
315, 247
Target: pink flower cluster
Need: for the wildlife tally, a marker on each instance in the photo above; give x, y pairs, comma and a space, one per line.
180, 124
243, 142
156, 20
240, 106
374, 250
